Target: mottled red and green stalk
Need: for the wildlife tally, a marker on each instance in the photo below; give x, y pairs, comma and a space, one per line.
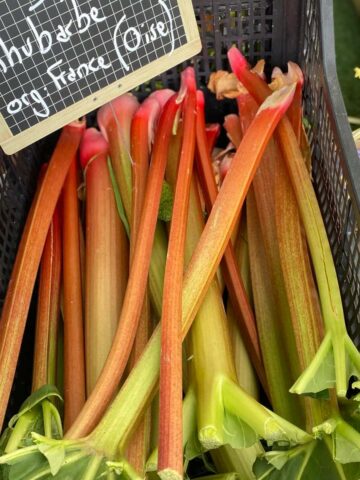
230, 270
337, 348
272, 309
245, 372
28, 258
74, 346
136, 287
170, 465
106, 254
299, 283
294, 256
48, 308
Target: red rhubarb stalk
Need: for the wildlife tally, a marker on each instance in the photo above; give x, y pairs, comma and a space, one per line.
28, 258
142, 137
74, 354
170, 464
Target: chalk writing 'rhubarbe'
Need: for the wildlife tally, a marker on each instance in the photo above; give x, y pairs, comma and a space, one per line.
44, 39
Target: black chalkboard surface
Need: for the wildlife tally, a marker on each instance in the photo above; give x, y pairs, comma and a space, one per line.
60, 59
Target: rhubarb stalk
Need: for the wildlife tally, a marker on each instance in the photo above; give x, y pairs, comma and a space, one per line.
277, 366
142, 138
115, 124
28, 258
142, 132
74, 348
48, 310
230, 271
170, 464
106, 253
274, 322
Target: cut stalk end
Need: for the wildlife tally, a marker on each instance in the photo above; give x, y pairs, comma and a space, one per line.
209, 438
170, 474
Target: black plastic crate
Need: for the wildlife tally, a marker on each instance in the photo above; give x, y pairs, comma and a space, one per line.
277, 30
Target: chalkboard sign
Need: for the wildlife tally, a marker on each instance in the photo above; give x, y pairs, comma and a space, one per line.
60, 59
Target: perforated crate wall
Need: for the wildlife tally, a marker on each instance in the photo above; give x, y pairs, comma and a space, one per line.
17, 174
336, 167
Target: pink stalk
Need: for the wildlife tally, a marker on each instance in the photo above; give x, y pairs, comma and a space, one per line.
114, 120
107, 256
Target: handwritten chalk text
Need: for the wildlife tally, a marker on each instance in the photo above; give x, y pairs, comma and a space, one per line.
125, 37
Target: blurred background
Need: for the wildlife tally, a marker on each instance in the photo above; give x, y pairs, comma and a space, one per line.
347, 37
